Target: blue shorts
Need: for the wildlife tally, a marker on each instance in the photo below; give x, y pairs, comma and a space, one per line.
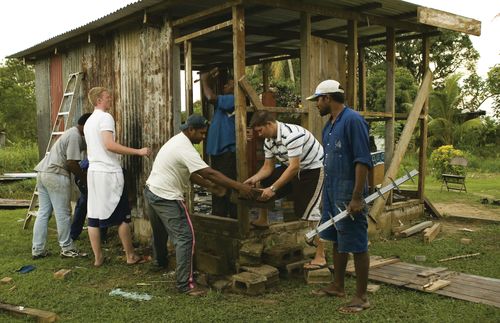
349, 235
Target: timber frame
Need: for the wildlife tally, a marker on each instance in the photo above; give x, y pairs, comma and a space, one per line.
234, 34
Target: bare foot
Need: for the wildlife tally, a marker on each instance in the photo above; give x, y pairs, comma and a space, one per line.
99, 262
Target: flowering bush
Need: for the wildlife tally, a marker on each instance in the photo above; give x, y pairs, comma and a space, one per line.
440, 161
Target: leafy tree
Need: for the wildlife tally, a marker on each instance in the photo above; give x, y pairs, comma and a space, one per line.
17, 101
449, 53
405, 92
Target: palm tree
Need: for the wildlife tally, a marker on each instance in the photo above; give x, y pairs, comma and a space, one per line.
446, 126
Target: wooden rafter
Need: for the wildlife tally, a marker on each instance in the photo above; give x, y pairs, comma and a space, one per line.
443, 19
204, 31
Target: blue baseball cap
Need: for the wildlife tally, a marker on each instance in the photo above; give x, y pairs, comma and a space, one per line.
196, 121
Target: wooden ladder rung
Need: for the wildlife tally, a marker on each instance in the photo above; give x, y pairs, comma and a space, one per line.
65, 113
69, 93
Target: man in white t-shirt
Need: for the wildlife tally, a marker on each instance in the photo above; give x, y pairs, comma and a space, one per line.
107, 205
176, 164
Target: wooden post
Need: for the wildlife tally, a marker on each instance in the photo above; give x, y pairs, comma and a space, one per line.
362, 79
305, 68
404, 140
238, 23
390, 99
265, 76
188, 70
173, 80
422, 158
352, 62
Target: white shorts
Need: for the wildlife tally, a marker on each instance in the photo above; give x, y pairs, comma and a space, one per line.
104, 192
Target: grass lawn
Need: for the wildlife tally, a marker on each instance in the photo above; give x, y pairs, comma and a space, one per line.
83, 297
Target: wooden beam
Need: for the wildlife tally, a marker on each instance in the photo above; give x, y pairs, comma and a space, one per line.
424, 126
431, 233
286, 110
204, 31
415, 229
188, 74
238, 23
266, 66
390, 95
40, 315
446, 20
404, 140
338, 12
362, 79
250, 92
203, 14
305, 59
352, 64
400, 38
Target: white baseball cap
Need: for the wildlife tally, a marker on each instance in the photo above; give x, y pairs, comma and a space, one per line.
326, 87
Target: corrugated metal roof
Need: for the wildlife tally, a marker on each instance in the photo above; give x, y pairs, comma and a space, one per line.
264, 20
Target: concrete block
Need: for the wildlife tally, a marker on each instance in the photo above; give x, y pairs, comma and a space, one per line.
465, 241
220, 285
253, 249
245, 260
211, 263
318, 276
280, 256
62, 273
249, 283
6, 280
309, 252
271, 273
295, 269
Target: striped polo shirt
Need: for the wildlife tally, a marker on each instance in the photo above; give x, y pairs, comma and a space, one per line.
293, 141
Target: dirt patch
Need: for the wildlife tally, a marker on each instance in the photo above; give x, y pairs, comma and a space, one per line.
461, 210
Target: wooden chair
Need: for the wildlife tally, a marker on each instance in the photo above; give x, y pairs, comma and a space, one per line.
455, 181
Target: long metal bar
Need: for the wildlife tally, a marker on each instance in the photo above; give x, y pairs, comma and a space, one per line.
311, 234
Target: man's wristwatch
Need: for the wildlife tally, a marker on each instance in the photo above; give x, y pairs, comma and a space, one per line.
273, 188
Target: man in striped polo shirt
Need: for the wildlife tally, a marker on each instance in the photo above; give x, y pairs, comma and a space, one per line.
299, 174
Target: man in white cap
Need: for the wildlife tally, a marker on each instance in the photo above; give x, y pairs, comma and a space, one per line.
346, 164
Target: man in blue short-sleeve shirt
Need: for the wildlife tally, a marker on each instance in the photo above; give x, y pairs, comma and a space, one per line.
221, 140
346, 164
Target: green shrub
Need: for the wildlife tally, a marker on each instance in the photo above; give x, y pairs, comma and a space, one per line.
440, 161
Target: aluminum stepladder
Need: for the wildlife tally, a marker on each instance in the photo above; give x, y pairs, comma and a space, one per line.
63, 119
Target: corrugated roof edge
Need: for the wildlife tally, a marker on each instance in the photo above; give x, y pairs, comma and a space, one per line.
107, 19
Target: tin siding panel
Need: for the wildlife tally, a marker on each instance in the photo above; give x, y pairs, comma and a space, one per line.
42, 94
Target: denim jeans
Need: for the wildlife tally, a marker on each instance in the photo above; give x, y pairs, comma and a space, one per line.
54, 194
169, 218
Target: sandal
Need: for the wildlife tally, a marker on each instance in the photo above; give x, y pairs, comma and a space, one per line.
311, 266
196, 292
354, 308
327, 292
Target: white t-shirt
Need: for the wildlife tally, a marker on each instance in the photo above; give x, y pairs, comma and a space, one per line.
100, 159
175, 162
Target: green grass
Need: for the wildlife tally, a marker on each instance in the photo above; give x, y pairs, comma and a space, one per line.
18, 158
83, 297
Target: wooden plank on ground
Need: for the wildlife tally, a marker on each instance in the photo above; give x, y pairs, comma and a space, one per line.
434, 286
431, 233
432, 271
374, 263
445, 292
40, 315
460, 257
415, 229
12, 203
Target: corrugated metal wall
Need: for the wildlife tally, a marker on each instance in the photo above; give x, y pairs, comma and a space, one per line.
42, 94
133, 65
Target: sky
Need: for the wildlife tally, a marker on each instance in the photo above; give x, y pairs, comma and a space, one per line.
25, 23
